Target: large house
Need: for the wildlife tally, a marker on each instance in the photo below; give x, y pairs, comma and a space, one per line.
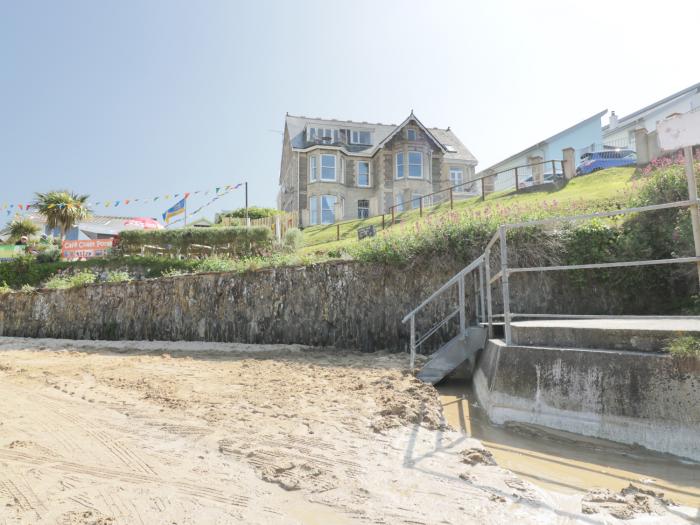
619, 133
340, 169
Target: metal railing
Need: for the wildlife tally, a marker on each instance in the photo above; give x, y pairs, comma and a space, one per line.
483, 290
517, 178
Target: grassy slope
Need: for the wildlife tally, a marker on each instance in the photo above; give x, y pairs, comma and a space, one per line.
612, 184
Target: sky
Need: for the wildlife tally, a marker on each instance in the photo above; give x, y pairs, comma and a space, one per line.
126, 99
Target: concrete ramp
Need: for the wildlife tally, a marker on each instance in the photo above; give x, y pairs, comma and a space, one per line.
451, 355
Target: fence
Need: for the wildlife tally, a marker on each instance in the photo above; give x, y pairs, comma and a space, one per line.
518, 178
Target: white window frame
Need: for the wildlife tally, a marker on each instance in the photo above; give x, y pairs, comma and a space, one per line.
335, 168
409, 132
332, 209
355, 135
415, 200
313, 210
408, 158
369, 175
400, 173
455, 169
398, 202
313, 168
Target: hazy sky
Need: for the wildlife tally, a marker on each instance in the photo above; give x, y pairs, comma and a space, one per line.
124, 99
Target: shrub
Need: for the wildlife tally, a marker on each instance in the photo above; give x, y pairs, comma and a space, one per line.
60, 282
685, 346
117, 277
27, 288
253, 213
49, 255
293, 239
235, 241
4, 288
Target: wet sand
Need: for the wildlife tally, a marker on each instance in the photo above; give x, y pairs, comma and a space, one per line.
145, 433
569, 463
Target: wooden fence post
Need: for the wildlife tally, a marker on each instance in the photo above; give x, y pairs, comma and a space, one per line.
483, 189
452, 202
383, 225
337, 232
420, 203
393, 215
517, 182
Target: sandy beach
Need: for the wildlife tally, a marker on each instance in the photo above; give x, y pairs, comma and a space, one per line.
189, 433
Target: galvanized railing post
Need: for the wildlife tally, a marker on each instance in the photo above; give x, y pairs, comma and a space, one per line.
481, 291
413, 343
504, 283
489, 306
462, 312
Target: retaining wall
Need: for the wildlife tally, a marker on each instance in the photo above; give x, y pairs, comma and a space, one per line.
344, 304
629, 397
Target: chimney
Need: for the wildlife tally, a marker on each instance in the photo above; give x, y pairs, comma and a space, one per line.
613, 120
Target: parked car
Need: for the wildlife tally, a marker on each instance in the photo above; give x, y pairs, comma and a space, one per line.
599, 160
546, 178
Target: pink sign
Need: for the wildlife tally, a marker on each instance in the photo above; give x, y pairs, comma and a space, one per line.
74, 250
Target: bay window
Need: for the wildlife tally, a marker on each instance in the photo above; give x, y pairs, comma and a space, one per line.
363, 173
415, 165
457, 178
399, 165
328, 168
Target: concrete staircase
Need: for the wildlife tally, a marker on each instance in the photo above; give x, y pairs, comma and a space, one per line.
638, 335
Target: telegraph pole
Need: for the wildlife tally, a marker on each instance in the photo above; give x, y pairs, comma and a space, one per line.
246, 204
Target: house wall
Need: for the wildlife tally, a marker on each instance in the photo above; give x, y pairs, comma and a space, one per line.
624, 134
287, 197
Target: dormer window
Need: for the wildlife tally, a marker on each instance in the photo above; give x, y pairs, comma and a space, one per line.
361, 137
411, 134
325, 135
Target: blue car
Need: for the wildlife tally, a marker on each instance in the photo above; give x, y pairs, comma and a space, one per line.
600, 160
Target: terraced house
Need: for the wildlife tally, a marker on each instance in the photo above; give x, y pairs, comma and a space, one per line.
339, 169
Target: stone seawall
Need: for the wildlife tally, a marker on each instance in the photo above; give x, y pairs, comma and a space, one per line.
629, 397
345, 304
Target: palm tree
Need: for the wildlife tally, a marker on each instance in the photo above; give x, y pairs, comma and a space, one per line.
19, 227
62, 209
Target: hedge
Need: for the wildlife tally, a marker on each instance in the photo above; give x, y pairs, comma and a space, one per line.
236, 240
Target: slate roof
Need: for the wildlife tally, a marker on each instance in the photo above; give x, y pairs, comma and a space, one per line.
381, 133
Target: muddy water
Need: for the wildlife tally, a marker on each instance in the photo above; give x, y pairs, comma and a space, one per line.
569, 463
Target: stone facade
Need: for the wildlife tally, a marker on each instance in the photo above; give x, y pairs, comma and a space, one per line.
302, 186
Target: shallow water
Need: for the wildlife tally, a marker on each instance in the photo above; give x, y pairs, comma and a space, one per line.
569, 463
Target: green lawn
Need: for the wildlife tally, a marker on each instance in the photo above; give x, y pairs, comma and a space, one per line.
614, 185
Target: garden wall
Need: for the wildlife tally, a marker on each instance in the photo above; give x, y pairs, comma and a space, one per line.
343, 304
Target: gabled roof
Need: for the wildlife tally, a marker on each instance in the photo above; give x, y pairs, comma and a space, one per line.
641, 113
445, 139
546, 141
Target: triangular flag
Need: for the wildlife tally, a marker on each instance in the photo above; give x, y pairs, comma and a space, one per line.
217, 190
187, 195
155, 199
116, 203
20, 206
126, 202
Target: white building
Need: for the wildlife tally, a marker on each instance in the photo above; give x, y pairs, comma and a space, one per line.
619, 133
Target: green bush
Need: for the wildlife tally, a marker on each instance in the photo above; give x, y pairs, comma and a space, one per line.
293, 239
117, 277
235, 241
685, 346
60, 282
28, 288
4, 288
49, 255
254, 212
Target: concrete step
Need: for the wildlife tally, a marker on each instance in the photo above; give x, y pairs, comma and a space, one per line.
452, 354
640, 335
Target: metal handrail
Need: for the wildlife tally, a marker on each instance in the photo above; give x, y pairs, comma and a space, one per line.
486, 280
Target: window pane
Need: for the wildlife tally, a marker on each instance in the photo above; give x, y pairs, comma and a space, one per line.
328, 209
456, 177
327, 167
313, 210
362, 209
399, 165
415, 202
364, 137
363, 174
399, 202
415, 164
411, 134
313, 168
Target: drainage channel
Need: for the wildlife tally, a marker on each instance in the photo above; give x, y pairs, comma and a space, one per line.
569, 463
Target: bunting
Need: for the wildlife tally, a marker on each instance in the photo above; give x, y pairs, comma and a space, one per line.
122, 202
